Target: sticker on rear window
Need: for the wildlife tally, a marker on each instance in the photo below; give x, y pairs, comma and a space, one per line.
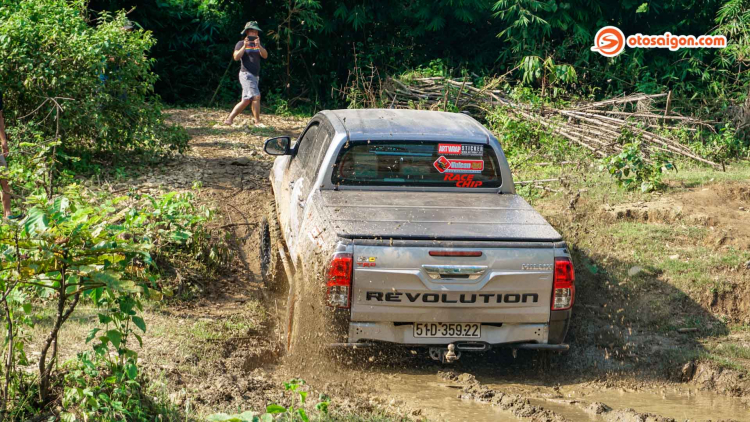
463, 180
460, 149
416, 163
445, 165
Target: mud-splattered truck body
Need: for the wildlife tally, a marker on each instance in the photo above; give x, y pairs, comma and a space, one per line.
410, 222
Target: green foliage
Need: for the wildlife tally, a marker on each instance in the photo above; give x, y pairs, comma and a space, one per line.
241, 417
525, 142
95, 388
314, 47
435, 67
295, 412
196, 38
34, 161
725, 146
82, 247
632, 170
89, 78
548, 74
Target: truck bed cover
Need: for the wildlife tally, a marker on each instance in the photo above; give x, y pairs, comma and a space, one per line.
435, 215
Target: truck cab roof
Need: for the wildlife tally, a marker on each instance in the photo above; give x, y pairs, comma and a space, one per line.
381, 124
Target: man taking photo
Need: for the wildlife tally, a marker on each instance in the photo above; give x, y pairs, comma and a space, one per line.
249, 52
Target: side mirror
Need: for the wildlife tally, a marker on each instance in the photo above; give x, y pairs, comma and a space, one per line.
278, 146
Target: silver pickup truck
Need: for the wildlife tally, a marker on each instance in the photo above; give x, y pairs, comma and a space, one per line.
403, 227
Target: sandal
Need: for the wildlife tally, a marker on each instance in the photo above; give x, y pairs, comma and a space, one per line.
15, 217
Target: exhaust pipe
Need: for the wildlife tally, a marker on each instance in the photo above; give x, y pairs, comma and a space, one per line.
471, 346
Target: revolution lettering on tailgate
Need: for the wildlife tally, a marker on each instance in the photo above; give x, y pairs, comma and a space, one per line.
451, 297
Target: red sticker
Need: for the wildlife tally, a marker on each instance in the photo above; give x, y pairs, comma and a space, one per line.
444, 165
463, 180
449, 148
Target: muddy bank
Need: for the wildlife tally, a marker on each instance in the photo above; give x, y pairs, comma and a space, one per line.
580, 402
516, 404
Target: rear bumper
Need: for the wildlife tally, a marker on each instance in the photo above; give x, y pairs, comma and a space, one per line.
362, 332
559, 322
464, 346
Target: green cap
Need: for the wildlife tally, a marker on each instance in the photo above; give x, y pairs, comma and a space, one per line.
251, 25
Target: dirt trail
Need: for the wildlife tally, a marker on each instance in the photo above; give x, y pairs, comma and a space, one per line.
244, 369
210, 349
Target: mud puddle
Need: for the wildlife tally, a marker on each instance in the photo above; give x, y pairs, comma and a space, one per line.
438, 401
679, 404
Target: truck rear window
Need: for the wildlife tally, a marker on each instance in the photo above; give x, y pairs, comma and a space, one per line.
417, 163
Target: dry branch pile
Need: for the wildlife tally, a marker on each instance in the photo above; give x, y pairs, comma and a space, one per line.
437, 93
596, 126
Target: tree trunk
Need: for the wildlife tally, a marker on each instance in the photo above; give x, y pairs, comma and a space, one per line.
9, 360
45, 370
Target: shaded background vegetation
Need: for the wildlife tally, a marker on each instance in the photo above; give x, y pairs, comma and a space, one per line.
321, 42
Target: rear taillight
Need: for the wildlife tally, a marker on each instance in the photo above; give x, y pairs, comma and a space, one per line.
340, 280
564, 290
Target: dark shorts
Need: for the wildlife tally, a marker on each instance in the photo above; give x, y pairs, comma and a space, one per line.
2, 161
249, 84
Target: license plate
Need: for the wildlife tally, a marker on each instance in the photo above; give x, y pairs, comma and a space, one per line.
433, 329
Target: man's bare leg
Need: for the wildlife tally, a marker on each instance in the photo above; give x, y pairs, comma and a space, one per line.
237, 110
256, 108
6, 198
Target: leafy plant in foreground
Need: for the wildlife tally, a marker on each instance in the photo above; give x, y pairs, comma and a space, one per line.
295, 412
80, 247
632, 170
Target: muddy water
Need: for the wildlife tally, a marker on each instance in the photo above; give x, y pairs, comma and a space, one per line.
680, 404
677, 404
438, 401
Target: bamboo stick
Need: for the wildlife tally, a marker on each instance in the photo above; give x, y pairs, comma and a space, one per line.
627, 99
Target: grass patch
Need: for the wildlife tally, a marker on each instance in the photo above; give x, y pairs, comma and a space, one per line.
232, 326
262, 131
724, 363
692, 175
676, 253
682, 356
731, 350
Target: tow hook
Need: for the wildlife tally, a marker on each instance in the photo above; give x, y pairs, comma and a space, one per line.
448, 355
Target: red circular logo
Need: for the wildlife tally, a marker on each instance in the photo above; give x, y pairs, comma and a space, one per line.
609, 41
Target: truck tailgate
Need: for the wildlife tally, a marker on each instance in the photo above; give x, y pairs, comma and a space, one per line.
509, 283
402, 273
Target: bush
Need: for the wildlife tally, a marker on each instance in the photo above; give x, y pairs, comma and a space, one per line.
632, 169
96, 388
87, 80
724, 146
85, 247
295, 412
